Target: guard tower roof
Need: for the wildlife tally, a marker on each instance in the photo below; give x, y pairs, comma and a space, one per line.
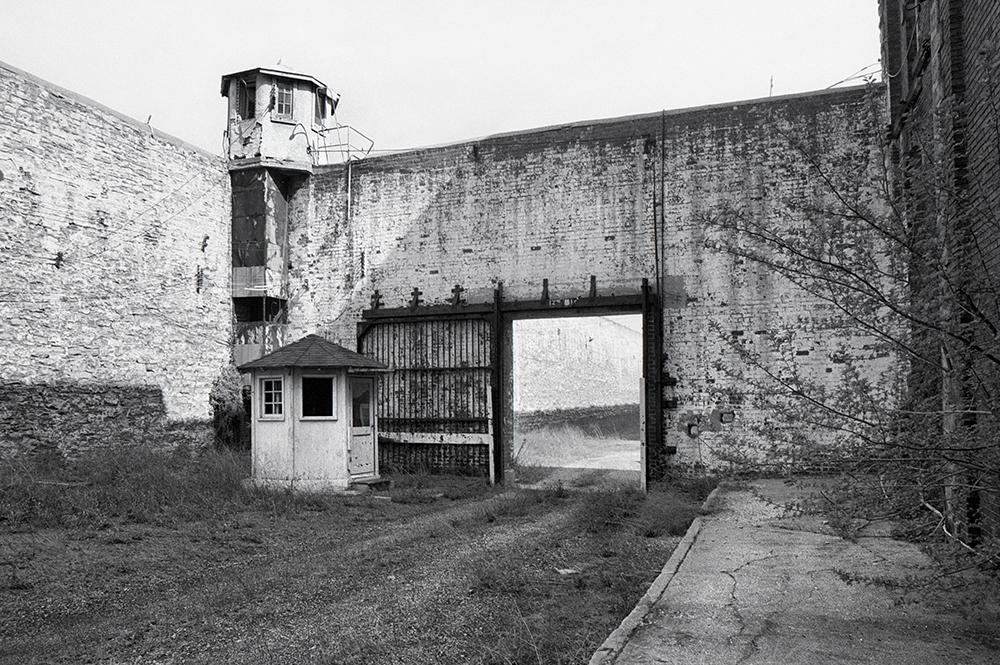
280, 71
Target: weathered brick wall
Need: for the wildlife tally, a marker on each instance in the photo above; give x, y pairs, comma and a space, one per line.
473, 214
747, 338
945, 72
982, 53
115, 299
568, 202
982, 97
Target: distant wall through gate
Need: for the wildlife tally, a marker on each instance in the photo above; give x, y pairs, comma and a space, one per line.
575, 362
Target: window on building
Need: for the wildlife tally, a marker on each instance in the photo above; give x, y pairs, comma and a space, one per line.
283, 100
321, 105
255, 309
361, 404
317, 397
272, 403
247, 96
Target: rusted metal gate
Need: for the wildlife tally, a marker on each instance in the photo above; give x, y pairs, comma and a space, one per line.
435, 406
441, 405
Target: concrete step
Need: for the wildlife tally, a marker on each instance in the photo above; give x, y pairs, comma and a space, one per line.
372, 484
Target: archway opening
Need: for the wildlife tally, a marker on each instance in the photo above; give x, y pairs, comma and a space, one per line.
576, 401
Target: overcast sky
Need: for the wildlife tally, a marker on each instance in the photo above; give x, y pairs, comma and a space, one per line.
413, 73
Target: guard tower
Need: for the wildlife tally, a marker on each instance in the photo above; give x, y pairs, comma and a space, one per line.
276, 119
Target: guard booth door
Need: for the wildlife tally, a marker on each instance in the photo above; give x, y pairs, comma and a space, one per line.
361, 459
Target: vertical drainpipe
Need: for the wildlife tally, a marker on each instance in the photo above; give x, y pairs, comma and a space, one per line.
349, 226
348, 191
646, 425
657, 323
660, 221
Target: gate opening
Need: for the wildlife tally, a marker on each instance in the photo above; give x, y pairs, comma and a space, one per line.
577, 395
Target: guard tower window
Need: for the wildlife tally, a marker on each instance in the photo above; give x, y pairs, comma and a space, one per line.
283, 100
320, 106
247, 99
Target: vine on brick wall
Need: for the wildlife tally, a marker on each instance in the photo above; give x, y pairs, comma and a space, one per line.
895, 257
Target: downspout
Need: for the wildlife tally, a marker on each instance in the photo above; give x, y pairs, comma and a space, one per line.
497, 386
349, 191
659, 252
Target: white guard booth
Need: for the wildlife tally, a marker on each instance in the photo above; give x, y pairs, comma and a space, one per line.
313, 423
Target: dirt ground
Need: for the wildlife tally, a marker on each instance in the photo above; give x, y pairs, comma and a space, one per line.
416, 578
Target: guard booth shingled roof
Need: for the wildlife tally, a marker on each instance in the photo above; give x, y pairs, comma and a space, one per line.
314, 351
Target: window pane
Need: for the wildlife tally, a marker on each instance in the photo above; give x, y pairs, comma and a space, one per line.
320, 107
317, 397
283, 101
247, 98
271, 397
361, 412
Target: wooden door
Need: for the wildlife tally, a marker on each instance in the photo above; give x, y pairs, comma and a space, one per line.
361, 458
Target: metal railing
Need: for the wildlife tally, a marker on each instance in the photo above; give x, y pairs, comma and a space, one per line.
339, 144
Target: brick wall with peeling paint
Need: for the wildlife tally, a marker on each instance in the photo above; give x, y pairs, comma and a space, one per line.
944, 132
115, 299
119, 301
747, 337
585, 199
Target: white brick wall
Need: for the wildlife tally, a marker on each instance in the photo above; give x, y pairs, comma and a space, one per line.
117, 332
130, 218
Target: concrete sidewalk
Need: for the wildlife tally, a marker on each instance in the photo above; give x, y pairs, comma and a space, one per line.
756, 581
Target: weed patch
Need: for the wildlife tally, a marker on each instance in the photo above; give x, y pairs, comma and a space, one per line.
567, 589
172, 555
125, 485
652, 514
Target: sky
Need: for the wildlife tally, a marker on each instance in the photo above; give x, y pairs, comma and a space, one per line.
415, 73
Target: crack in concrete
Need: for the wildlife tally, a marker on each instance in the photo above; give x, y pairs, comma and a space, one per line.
734, 604
802, 529
793, 508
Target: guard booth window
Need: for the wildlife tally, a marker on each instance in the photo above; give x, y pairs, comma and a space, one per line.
317, 397
272, 402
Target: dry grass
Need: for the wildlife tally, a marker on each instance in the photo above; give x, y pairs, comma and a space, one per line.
125, 484
145, 558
